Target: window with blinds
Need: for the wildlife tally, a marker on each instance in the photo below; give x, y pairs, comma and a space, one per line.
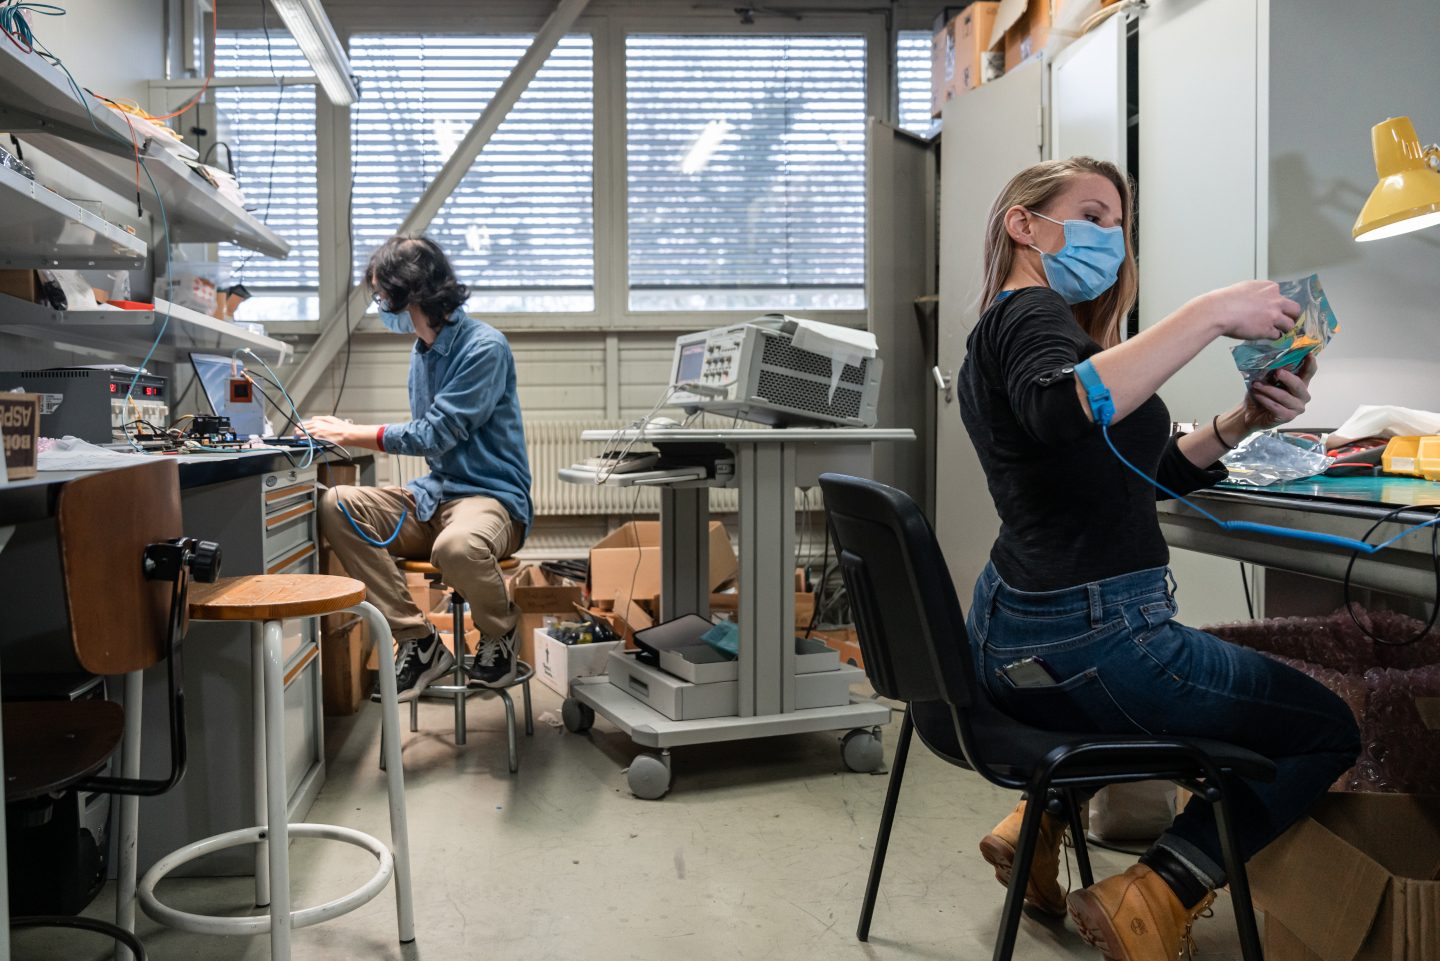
271, 133
912, 71
746, 172
520, 227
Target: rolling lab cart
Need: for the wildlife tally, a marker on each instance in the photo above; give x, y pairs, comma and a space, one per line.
766, 466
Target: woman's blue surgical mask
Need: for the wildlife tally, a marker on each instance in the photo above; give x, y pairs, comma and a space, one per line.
400, 323
1089, 262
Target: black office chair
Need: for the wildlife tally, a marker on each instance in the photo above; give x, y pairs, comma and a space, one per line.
912, 634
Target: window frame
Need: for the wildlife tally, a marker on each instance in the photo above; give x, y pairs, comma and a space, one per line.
610, 199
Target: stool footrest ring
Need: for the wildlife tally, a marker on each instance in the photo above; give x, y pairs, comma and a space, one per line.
260, 924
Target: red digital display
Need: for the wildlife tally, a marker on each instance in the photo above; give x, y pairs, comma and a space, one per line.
114, 388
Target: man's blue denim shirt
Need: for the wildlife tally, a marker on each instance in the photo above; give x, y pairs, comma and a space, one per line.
467, 422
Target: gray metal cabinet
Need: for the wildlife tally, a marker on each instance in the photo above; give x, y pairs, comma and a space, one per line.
266, 524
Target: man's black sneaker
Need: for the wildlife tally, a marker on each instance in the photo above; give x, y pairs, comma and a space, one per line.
417, 666
494, 664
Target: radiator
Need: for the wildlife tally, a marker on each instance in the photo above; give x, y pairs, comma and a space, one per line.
555, 444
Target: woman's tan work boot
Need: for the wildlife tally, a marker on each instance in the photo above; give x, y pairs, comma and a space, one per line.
998, 848
1135, 917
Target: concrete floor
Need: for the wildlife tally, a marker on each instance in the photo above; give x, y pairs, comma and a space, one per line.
761, 850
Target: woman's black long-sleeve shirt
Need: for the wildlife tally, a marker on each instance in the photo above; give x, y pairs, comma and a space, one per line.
1070, 512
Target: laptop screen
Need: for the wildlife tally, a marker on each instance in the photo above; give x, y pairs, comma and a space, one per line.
247, 417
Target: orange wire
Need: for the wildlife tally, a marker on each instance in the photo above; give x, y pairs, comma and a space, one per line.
214, 33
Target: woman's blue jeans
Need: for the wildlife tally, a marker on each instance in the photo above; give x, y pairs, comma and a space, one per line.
1126, 667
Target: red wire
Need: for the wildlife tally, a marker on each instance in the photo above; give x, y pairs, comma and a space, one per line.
17, 42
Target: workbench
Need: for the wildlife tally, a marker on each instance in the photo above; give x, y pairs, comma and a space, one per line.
767, 467
1347, 506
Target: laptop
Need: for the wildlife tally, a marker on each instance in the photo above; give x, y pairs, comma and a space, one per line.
240, 402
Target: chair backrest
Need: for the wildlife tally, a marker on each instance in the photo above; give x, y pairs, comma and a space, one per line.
908, 618
119, 621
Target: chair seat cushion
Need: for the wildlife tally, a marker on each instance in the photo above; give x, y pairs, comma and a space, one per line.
50, 745
1014, 749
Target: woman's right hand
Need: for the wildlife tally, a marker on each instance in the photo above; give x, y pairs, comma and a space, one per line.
1251, 310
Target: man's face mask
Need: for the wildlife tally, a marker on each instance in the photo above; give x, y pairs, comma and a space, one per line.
399, 323
1089, 262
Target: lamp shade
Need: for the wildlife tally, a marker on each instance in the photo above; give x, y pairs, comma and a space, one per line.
1408, 195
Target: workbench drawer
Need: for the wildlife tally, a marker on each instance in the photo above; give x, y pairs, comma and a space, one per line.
302, 723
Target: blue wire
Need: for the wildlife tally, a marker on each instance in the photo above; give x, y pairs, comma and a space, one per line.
404, 511
387, 541
1335, 540
310, 441
11, 19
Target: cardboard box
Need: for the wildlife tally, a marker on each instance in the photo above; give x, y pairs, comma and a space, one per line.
345, 680
625, 564
976, 63
729, 603
960, 55
537, 594
557, 664
676, 699
20, 426
1353, 881
23, 284
1029, 34
846, 642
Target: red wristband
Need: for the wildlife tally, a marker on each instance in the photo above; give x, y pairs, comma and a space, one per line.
380, 437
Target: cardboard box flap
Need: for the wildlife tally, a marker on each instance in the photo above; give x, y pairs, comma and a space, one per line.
1401, 832
1282, 879
1421, 934
1006, 17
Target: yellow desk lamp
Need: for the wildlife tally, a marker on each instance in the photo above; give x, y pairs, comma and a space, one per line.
1408, 195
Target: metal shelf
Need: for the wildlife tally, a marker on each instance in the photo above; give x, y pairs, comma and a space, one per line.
37, 98
131, 332
38, 105
196, 212
43, 229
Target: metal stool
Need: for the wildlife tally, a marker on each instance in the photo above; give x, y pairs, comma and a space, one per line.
460, 689
266, 601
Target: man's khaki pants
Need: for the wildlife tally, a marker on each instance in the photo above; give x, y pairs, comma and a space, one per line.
465, 538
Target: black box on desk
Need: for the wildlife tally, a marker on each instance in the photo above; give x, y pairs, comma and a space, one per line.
87, 403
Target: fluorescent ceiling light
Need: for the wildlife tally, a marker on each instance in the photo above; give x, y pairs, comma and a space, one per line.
705, 146
311, 29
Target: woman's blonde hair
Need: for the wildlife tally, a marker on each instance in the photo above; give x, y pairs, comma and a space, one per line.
1034, 188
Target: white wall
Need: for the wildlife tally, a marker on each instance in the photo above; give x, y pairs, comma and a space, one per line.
1337, 69
112, 47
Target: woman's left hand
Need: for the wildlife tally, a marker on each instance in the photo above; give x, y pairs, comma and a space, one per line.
1270, 405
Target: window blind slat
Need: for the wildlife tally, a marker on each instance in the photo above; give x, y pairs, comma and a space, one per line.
746, 171
912, 69
520, 227
272, 133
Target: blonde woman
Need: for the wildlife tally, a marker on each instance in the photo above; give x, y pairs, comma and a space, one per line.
1077, 578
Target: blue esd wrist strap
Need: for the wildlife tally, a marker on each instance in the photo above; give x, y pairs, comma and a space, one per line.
1099, 395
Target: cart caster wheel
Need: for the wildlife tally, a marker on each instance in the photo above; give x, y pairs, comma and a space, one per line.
862, 751
648, 777
578, 717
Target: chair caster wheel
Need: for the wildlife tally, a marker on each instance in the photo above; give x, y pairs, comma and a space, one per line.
578, 717
648, 777
862, 751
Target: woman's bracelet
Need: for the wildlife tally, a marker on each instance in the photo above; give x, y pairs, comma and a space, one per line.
1215, 426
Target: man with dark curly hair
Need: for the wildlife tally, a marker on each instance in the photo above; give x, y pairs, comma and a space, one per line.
473, 509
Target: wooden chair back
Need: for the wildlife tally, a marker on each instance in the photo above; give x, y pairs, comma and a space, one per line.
119, 621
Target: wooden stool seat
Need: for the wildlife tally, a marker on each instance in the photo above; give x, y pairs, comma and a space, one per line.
425, 567
273, 597
50, 745
416, 567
